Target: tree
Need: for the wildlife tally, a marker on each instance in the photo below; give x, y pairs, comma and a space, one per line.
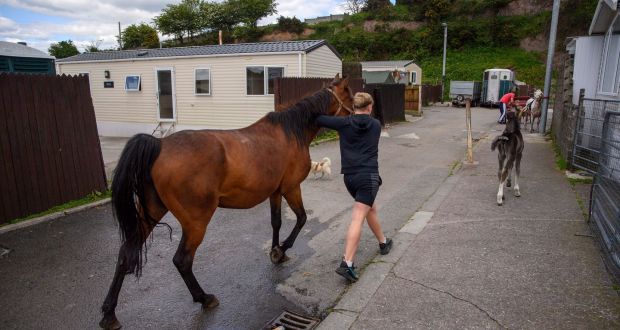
218, 16
63, 49
140, 36
288, 24
93, 46
182, 19
354, 6
373, 5
250, 11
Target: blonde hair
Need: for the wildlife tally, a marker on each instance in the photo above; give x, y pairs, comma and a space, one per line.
362, 100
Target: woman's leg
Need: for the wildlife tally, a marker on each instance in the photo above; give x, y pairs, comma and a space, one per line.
373, 223
360, 211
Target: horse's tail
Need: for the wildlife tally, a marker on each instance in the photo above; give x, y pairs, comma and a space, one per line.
497, 140
132, 178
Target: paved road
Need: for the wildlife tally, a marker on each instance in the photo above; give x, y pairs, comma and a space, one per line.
58, 273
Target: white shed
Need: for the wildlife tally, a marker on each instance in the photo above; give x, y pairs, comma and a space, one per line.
402, 72
219, 86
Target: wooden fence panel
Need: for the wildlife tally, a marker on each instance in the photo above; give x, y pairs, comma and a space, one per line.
389, 101
48, 143
431, 94
412, 98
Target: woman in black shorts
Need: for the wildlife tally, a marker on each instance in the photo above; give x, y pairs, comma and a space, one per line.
359, 151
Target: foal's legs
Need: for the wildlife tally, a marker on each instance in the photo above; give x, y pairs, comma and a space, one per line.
517, 173
503, 177
194, 228
293, 198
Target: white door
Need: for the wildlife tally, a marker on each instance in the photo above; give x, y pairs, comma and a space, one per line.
165, 94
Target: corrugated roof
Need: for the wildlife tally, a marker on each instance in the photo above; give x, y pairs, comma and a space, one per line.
17, 50
383, 64
211, 50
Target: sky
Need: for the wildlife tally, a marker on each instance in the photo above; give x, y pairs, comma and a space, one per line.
40, 23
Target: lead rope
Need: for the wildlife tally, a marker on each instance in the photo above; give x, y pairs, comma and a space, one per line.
341, 104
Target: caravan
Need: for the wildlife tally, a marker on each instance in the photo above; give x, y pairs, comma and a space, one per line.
496, 83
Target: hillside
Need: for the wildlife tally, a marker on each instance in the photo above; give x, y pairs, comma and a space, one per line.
481, 34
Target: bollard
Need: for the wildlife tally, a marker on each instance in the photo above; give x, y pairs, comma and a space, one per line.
470, 149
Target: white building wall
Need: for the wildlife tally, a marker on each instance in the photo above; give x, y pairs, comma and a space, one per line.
322, 62
122, 113
587, 64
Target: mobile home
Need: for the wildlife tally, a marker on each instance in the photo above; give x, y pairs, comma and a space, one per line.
219, 86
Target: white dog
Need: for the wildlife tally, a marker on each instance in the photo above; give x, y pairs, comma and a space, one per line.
322, 167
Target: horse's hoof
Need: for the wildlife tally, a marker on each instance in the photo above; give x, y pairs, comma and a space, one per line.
277, 255
508, 184
110, 323
517, 194
210, 301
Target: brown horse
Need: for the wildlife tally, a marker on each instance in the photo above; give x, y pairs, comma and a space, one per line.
191, 173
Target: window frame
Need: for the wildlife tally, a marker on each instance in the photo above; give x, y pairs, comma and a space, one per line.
414, 77
195, 80
265, 78
139, 89
615, 88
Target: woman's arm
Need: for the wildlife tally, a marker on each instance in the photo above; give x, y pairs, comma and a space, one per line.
331, 122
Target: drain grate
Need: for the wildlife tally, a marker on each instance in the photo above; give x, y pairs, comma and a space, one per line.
291, 321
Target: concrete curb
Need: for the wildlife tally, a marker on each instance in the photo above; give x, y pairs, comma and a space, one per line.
52, 216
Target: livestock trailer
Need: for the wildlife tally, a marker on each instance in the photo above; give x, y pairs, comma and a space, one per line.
461, 90
496, 83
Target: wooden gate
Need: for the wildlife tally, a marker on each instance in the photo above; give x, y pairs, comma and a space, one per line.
412, 99
49, 146
290, 90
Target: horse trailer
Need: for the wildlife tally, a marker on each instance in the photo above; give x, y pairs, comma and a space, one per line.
461, 90
496, 83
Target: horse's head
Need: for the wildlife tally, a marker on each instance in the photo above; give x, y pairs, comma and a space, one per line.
342, 101
512, 122
538, 94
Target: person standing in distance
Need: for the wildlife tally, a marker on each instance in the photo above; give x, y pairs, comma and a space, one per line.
359, 153
507, 101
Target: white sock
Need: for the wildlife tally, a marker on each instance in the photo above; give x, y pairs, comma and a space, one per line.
384, 240
349, 263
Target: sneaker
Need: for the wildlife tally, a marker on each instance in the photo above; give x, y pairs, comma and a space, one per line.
347, 272
385, 248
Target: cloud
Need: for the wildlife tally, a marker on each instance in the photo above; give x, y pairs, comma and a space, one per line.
86, 21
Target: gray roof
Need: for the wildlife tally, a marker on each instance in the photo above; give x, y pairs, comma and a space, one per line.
17, 50
211, 50
383, 64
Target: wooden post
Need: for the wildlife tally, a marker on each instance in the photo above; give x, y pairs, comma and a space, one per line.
470, 151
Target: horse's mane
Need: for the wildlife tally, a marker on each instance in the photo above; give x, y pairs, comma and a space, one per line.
298, 119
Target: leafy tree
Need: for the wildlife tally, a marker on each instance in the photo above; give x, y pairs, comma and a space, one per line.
250, 11
218, 16
140, 36
180, 20
63, 49
288, 24
373, 5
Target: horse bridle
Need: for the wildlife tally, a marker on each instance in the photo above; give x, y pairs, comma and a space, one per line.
341, 104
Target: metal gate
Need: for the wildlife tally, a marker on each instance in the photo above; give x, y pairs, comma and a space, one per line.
605, 210
588, 131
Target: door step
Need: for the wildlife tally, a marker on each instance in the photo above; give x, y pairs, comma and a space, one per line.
163, 129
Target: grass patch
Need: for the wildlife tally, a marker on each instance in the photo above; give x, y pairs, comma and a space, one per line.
454, 167
90, 198
326, 135
560, 162
574, 182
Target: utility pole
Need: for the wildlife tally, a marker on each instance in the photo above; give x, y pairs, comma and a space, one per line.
550, 53
120, 38
443, 71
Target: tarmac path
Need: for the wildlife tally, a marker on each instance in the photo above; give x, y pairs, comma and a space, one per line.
56, 274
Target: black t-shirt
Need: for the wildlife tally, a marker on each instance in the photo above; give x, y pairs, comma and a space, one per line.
359, 142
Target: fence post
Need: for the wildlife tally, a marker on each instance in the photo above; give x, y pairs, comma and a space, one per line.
470, 151
582, 93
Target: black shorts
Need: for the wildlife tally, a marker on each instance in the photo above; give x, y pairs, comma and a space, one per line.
363, 186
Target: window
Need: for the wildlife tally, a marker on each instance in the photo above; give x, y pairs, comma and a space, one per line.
610, 71
257, 80
202, 79
414, 77
132, 83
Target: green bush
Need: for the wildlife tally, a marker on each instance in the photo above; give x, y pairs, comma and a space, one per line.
289, 24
